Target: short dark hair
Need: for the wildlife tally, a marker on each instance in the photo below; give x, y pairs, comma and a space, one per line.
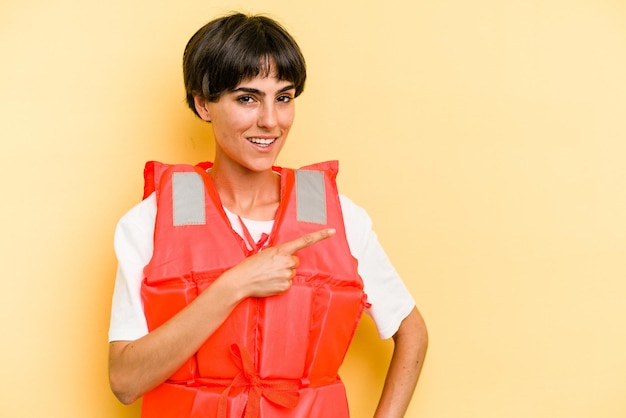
237, 47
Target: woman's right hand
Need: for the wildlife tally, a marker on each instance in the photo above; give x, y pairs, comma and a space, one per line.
272, 270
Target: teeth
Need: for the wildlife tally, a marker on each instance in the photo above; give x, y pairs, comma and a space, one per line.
261, 141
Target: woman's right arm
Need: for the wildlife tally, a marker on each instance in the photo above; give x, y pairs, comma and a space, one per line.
135, 367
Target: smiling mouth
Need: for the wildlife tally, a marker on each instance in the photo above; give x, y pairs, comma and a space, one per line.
262, 142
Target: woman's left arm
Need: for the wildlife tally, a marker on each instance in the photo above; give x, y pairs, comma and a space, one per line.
410, 344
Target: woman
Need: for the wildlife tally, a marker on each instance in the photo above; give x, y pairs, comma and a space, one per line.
238, 288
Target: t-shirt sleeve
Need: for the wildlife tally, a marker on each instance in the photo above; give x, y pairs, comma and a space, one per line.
133, 245
387, 294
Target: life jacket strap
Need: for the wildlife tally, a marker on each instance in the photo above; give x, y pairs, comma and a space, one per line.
310, 196
283, 392
188, 199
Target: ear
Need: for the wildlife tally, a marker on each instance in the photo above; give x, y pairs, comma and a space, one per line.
202, 107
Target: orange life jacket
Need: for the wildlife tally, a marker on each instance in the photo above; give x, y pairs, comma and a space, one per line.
273, 357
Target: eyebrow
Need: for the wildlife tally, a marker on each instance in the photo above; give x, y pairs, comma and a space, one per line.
259, 92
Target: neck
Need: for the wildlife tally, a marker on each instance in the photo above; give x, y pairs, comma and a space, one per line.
249, 194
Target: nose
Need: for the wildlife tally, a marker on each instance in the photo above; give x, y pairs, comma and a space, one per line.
268, 118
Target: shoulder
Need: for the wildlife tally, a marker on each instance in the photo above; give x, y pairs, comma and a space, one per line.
142, 213
135, 228
358, 224
354, 213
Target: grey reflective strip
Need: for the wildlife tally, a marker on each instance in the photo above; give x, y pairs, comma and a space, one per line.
188, 199
310, 197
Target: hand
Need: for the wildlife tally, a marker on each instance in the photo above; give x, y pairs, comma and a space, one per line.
271, 271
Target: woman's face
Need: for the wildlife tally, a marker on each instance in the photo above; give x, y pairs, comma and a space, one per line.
251, 122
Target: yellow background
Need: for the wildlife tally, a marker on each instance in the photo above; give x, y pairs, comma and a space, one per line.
485, 138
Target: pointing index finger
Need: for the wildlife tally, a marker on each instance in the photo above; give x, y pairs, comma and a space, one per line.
306, 240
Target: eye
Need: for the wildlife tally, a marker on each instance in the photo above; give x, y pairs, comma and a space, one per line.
285, 98
245, 99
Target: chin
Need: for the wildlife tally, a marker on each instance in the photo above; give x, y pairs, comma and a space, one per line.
261, 166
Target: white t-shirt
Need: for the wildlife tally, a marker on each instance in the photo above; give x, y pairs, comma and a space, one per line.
390, 300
